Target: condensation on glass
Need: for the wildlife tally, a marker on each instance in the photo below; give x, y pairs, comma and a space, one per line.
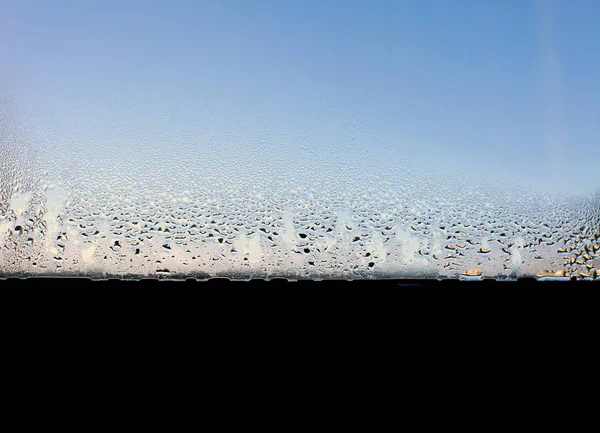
200, 216
208, 183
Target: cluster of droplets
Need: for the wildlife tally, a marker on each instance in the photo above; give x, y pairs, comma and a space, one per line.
252, 228
135, 212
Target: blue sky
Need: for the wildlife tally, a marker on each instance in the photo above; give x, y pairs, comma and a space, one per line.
509, 86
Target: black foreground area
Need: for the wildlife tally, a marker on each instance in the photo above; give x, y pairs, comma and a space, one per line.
75, 282
330, 309
282, 283
223, 285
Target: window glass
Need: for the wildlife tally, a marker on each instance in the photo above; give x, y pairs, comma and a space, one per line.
313, 139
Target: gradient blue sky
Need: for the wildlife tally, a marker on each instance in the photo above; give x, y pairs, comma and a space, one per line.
509, 83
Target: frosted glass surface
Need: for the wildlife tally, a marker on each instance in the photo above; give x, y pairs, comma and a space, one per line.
262, 139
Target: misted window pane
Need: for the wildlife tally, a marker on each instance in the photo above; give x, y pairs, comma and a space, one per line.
314, 139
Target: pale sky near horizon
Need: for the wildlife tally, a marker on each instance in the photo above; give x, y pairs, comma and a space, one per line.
509, 84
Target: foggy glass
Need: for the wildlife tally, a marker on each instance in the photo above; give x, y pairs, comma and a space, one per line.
313, 140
